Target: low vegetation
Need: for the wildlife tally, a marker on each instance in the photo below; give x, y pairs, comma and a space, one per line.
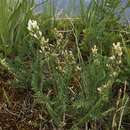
61, 72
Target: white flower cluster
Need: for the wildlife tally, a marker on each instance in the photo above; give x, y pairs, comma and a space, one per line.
113, 65
104, 86
95, 55
53, 49
59, 36
64, 58
118, 49
35, 32
34, 29
104, 89
117, 53
45, 47
115, 59
32, 24
94, 50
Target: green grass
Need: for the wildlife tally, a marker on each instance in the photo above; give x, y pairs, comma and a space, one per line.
71, 81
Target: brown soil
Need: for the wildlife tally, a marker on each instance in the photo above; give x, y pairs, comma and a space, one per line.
17, 111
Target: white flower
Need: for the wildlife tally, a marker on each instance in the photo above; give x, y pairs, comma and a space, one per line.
60, 35
119, 61
43, 40
107, 4
107, 65
99, 89
43, 48
40, 33
35, 36
118, 49
78, 68
32, 24
116, 45
112, 57
94, 49
114, 74
70, 52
